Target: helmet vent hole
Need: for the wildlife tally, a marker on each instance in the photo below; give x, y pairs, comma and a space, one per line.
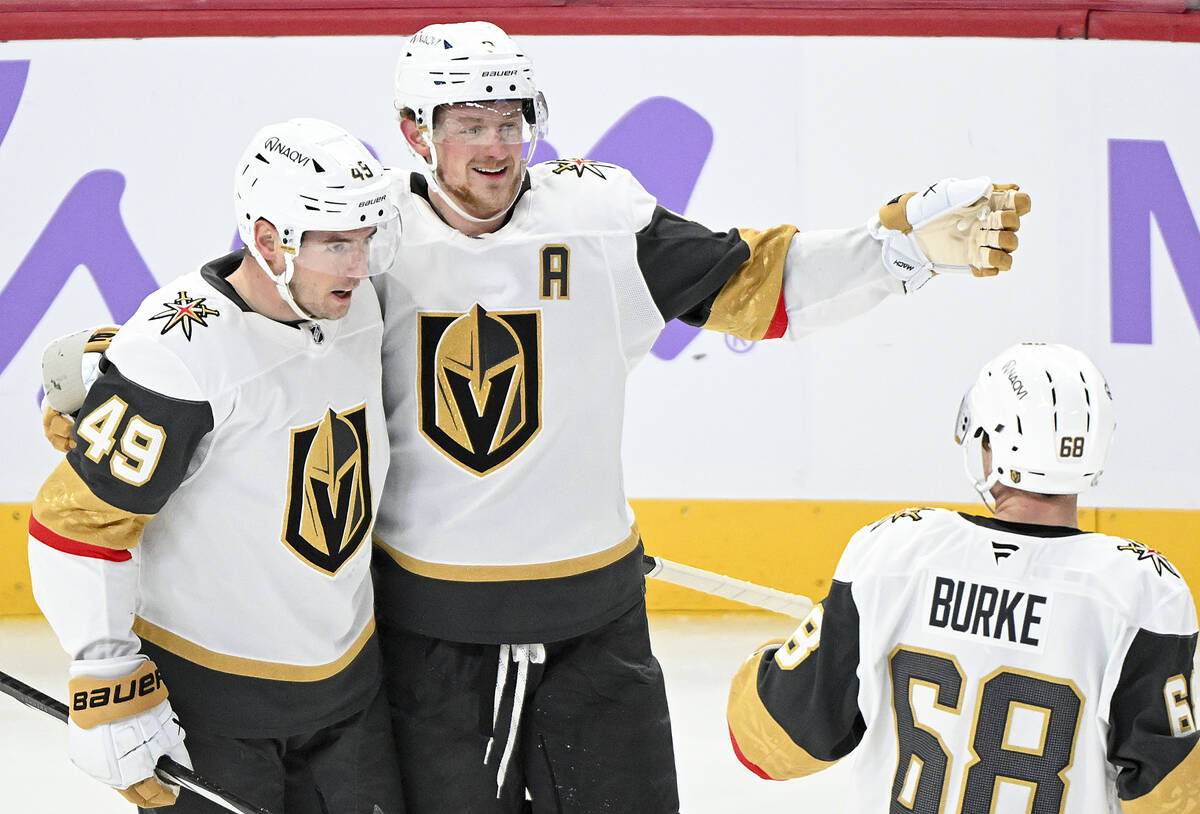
361, 218
488, 88
512, 87
259, 156
312, 208
999, 428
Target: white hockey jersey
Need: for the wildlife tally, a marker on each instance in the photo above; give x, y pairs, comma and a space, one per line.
219, 505
504, 517
985, 667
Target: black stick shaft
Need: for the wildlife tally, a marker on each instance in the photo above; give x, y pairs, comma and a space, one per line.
167, 767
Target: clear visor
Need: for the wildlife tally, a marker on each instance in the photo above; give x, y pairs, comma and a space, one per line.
355, 253
477, 123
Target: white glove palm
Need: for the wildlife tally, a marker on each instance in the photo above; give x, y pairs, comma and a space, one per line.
954, 226
121, 724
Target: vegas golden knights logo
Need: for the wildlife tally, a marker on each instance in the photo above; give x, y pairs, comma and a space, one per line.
329, 506
479, 376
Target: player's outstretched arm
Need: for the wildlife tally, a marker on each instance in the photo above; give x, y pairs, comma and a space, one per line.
952, 226
780, 281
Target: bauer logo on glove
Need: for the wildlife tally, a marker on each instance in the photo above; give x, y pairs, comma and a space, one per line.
952, 226
131, 694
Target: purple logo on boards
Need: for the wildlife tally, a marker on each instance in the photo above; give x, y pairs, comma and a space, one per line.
1143, 183
86, 230
662, 141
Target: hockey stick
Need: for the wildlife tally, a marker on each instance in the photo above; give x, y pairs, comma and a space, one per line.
738, 590
168, 769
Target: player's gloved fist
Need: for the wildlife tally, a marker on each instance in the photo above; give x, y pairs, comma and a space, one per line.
57, 428
69, 366
121, 724
953, 226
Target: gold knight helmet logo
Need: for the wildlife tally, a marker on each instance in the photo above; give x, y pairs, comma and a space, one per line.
329, 505
479, 376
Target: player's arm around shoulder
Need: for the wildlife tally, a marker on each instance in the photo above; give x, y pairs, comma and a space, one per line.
130, 451
132, 440
1152, 737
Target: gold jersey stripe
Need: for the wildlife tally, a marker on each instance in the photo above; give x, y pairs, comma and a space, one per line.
251, 668
1177, 792
760, 738
748, 300
66, 506
505, 573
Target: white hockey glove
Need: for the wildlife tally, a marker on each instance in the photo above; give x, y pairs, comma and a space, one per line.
953, 226
69, 366
121, 724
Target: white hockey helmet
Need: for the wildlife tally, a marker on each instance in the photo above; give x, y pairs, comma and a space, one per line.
311, 175
461, 63
1048, 415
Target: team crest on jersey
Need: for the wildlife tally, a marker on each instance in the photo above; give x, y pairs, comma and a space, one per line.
480, 378
185, 312
581, 165
1144, 552
910, 514
329, 507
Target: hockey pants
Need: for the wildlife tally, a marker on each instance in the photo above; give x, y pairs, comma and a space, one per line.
346, 768
593, 733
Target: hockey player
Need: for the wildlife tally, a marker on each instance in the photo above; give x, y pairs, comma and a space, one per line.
509, 574
1010, 663
209, 531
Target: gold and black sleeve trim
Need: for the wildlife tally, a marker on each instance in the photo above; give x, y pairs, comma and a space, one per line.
68, 516
1155, 757
724, 281
793, 709
750, 304
759, 741
132, 444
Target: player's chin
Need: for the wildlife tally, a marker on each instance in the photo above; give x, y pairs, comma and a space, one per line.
336, 303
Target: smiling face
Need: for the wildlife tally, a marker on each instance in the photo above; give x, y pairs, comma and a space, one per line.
479, 147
